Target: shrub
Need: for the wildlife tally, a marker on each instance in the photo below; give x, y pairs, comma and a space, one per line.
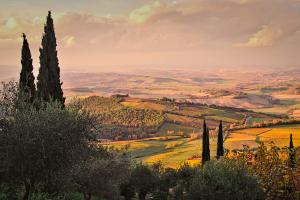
272, 167
41, 144
101, 175
224, 179
144, 180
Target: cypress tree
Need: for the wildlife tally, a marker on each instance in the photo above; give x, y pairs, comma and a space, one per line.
26, 81
291, 152
220, 148
205, 144
49, 85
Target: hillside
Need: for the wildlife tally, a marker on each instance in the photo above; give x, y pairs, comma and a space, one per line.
167, 130
132, 118
252, 137
193, 114
118, 122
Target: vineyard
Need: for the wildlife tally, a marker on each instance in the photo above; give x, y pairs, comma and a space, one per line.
116, 121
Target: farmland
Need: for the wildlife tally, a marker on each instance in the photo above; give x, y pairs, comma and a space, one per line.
171, 151
176, 134
192, 114
175, 150
252, 137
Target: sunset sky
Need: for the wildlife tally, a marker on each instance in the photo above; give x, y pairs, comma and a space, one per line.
95, 34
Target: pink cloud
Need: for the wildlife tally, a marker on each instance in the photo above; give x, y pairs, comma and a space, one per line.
166, 33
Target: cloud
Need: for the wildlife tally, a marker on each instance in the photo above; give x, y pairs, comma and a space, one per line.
188, 27
11, 23
12, 28
267, 36
142, 13
69, 41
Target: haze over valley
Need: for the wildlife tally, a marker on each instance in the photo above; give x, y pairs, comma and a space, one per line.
150, 100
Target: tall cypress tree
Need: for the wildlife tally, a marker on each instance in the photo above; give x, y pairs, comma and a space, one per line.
205, 144
291, 152
220, 148
26, 81
49, 85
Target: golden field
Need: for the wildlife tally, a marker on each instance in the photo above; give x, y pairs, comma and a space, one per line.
173, 151
280, 135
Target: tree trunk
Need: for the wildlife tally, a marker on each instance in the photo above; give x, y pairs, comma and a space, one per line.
142, 196
87, 196
127, 197
27, 190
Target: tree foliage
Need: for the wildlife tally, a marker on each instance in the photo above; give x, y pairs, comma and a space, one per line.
49, 85
26, 81
144, 180
292, 153
38, 145
220, 148
205, 144
271, 166
119, 122
101, 175
226, 179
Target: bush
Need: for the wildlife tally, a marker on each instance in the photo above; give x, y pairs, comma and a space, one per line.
144, 180
101, 175
222, 180
39, 145
272, 167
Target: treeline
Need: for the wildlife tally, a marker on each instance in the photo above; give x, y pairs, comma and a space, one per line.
263, 124
178, 104
119, 122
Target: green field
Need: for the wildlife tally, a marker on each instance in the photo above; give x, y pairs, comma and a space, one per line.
280, 135
175, 129
170, 142
171, 151
175, 150
192, 115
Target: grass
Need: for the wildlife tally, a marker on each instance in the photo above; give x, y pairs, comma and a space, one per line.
144, 105
167, 128
256, 120
285, 108
211, 113
280, 135
170, 148
193, 115
182, 119
172, 152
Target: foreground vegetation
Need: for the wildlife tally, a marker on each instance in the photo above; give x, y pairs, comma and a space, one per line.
51, 153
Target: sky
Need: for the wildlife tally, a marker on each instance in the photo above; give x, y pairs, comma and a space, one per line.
100, 34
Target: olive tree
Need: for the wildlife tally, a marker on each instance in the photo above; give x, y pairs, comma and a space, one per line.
38, 145
144, 180
225, 179
102, 174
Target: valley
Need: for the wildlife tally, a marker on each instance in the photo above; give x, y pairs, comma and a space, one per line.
157, 115
177, 137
